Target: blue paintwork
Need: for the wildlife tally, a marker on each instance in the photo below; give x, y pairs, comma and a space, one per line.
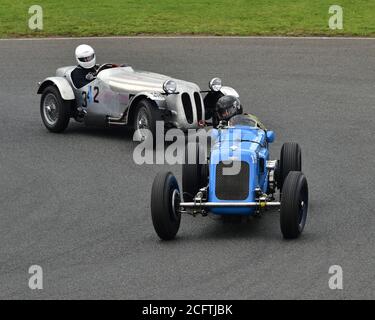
249, 144
270, 136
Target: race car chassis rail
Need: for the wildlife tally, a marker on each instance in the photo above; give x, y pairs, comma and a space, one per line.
260, 204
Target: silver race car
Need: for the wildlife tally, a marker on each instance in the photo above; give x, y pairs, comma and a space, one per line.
119, 95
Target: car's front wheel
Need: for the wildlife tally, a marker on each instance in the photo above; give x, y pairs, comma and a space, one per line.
165, 201
55, 111
145, 121
294, 205
194, 170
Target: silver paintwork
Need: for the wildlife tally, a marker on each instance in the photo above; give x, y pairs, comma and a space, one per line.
62, 84
228, 91
121, 88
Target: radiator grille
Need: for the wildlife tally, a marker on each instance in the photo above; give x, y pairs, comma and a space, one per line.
198, 104
232, 187
188, 108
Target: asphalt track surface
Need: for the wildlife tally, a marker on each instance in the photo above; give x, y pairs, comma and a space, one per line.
77, 205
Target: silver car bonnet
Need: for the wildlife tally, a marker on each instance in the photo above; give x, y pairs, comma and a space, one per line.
133, 81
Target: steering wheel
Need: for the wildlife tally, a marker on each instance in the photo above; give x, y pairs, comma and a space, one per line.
106, 66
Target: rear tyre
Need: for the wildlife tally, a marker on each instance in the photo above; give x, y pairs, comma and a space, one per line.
290, 160
54, 110
165, 200
294, 205
194, 175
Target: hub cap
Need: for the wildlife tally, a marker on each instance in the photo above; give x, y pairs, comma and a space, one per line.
50, 109
143, 127
175, 202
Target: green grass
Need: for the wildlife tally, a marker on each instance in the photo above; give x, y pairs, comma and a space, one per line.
171, 17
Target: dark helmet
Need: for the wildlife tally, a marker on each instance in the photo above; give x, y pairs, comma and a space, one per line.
227, 107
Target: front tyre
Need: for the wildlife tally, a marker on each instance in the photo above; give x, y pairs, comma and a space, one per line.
145, 121
294, 205
165, 201
194, 175
55, 111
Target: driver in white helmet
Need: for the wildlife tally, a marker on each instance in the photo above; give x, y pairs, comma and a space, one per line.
87, 68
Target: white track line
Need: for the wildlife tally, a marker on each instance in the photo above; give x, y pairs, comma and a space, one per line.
187, 37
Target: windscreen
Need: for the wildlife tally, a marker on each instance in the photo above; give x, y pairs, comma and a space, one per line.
242, 120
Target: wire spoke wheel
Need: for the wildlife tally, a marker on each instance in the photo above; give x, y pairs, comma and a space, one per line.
54, 110
142, 124
50, 110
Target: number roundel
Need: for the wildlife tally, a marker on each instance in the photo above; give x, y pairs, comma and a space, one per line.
87, 96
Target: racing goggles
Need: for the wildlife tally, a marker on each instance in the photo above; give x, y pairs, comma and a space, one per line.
87, 59
225, 114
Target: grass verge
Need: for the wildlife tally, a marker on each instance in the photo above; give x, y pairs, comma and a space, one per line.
191, 17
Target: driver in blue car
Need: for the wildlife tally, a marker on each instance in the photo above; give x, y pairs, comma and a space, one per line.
229, 112
226, 108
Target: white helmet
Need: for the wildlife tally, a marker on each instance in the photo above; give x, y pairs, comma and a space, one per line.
85, 56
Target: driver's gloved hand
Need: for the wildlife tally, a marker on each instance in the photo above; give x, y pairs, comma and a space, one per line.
90, 76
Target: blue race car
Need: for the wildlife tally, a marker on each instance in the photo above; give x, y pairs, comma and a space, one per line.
237, 179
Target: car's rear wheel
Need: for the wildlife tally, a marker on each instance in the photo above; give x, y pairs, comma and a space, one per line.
194, 172
294, 205
145, 121
290, 160
54, 110
165, 201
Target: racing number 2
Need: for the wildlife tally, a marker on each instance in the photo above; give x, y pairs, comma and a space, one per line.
88, 98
